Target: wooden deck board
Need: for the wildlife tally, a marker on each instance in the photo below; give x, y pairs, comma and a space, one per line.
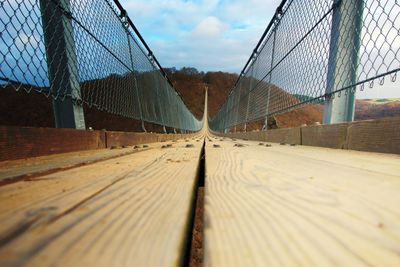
300, 206
26, 168
128, 211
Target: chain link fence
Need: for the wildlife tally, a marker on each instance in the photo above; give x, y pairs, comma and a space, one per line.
86, 52
313, 52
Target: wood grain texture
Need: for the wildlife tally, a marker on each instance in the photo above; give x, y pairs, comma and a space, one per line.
127, 139
382, 135
288, 135
25, 142
248, 135
128, 211
332, 135
300, 206
375, 135
16, 170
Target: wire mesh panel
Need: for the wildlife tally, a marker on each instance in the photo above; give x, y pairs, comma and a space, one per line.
87, 51
313, 52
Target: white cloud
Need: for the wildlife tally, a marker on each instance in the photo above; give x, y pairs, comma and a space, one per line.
206, 34
209, 27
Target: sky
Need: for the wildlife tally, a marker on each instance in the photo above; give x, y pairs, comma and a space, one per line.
210, 35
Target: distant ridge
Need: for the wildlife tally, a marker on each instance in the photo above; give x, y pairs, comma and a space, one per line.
37, 109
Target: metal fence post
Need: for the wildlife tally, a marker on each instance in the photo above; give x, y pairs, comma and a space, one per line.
62, 64
249, 93
158, 85
125, 22
265, 126
159, 105
343, 60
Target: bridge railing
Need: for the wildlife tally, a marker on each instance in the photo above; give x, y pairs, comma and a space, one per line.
86, 53
316, 52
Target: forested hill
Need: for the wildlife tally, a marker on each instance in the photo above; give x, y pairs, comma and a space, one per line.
191, 83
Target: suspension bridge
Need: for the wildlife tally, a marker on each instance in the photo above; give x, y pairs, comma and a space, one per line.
200, 191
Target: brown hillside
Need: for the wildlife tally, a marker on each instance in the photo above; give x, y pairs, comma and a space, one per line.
191, 84
219, 86
367, 109
33, 109
18, 108
307, 114
191, 87
280, 99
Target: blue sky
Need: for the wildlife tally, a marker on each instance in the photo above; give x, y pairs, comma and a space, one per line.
209, 35
212, 35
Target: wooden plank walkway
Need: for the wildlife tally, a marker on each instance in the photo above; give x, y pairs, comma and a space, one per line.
23, 169
300, 206
133, 210
264, 206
